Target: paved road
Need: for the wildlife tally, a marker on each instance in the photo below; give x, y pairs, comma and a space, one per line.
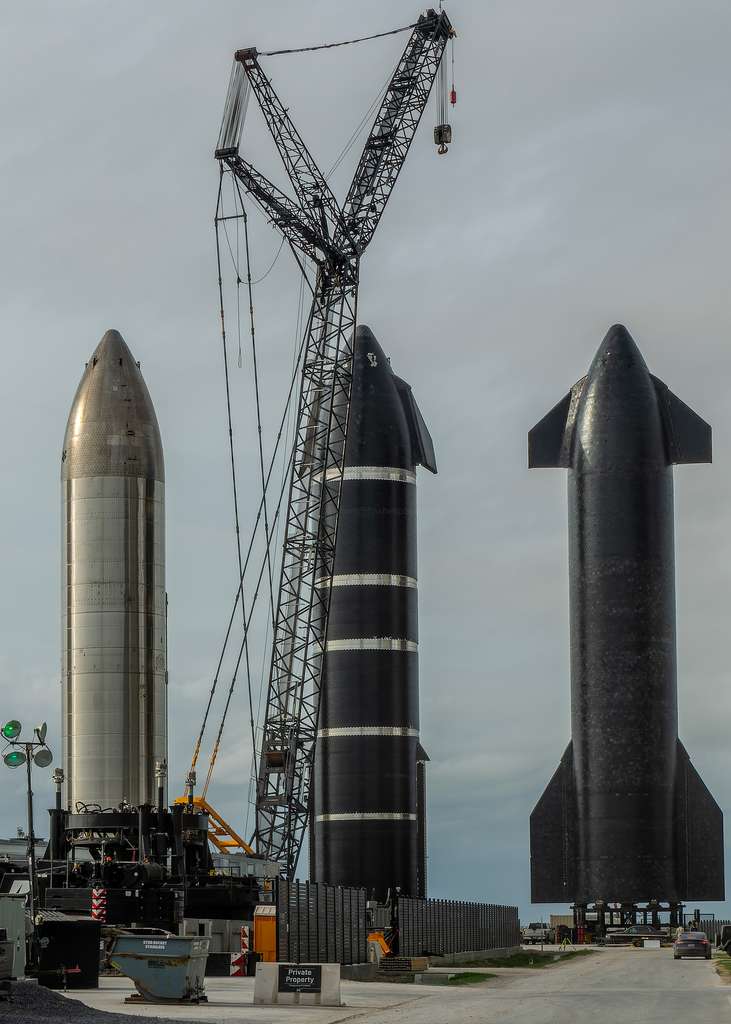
230, 1001
622, 986
615, 986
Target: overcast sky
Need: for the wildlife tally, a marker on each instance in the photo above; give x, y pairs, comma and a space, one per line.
587, 184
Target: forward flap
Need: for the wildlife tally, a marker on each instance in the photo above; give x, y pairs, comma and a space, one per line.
688, 436
550, 441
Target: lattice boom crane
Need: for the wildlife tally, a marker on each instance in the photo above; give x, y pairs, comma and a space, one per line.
334, 237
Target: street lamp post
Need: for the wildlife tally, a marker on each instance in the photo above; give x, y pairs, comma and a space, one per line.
27, 752
31, 839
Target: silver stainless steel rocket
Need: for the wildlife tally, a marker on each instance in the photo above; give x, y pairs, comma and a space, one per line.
114, 676
369, 820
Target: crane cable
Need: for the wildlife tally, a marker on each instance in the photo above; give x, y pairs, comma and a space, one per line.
345, 42
267, 536
239, 592
196, 750
244, 643
271, 266
283, 490
297, 352
359, 129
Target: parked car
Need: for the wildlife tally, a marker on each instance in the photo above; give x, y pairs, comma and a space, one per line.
635, 933
536, 932
695, 944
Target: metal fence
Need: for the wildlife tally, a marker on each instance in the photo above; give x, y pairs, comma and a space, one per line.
318, 923
436, 927
710, 927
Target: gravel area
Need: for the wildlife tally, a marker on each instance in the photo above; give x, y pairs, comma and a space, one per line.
34, 1004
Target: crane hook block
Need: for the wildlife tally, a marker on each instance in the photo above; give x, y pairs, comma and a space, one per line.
442, 137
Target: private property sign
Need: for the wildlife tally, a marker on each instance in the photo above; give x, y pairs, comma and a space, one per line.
300, 977
297, 984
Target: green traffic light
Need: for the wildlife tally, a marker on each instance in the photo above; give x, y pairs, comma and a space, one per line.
11, 730
14, 759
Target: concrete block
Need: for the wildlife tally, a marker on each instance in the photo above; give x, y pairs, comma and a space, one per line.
265, 984
266, 987
358, 972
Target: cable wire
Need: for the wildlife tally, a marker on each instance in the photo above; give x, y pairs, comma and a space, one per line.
243, 647
286, 414
257, 395
345, 42
297, 350
271, 265
363, 121
233, 473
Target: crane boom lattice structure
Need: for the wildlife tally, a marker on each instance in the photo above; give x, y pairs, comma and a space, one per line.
334, 238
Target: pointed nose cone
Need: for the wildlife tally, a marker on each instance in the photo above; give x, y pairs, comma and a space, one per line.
112, 428
378, 431
619, 421
365, 343
618, 353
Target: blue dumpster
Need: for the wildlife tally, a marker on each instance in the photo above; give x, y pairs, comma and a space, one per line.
164, 968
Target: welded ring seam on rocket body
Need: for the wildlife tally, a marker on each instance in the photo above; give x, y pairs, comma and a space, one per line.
367, 730
368, 579
392, 474
367, 816
372, 644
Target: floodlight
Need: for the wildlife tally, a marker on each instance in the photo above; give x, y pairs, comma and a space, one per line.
43, 757
14, 759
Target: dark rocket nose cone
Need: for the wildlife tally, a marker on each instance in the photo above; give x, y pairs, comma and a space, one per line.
618, 417
367, 350
363, 333
618, 352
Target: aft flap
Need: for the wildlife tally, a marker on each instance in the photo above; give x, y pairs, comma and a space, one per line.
420, 437
688, 437
699, 848
550, 441
553, 837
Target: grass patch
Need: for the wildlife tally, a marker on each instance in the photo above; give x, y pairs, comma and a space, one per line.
722, 963
530, 960
469, 978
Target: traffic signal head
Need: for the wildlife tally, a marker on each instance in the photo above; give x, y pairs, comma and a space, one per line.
11, 730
